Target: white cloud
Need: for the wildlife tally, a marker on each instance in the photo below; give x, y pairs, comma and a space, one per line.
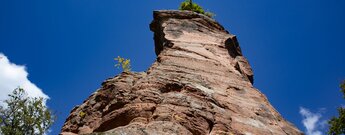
13, 76
312, 121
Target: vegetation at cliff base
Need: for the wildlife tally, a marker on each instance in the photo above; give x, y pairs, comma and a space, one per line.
190, 6
337, 124
124, 63
22, 115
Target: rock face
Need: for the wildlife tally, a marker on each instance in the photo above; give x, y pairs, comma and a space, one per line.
200, 84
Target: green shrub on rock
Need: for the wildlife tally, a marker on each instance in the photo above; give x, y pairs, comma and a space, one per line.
124, 63
190, 6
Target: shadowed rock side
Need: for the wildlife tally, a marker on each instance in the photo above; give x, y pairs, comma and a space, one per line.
200, 84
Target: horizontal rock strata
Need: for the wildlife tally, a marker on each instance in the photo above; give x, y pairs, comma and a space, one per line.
200, 84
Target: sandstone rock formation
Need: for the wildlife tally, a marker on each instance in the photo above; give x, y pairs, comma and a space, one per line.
200, 84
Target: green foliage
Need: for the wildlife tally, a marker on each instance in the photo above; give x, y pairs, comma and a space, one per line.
24, 115
190, 6
337, 124
342, 88
82, 114
125, 64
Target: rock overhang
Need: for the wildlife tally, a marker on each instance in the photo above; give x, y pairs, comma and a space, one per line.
161, 16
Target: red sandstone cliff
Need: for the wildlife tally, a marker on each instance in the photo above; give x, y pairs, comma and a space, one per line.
200, 84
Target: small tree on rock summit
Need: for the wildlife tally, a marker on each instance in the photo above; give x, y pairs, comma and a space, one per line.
190, 6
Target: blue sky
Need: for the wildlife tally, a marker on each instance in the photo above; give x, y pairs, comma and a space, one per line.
296, 48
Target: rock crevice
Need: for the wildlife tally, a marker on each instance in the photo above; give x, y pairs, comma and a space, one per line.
200, 84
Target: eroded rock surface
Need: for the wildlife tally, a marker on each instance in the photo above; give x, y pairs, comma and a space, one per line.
200, 84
